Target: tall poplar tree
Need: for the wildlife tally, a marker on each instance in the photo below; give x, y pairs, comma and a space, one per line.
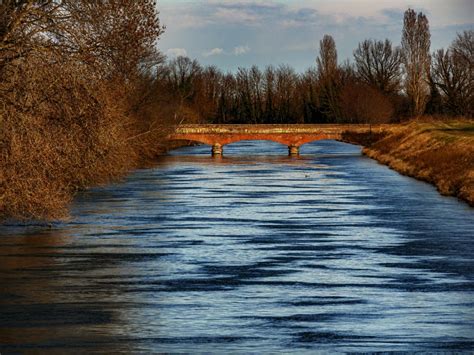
329, 79
416, 59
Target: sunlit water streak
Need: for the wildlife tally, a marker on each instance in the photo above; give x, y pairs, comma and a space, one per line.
254, 252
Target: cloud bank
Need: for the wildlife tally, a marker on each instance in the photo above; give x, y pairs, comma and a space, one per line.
277, 31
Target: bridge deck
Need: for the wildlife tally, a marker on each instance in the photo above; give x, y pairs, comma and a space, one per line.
272, 128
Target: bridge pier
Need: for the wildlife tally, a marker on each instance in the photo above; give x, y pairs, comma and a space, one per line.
216, 149
293, 150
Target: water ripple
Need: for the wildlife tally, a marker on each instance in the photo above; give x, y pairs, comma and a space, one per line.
249, 253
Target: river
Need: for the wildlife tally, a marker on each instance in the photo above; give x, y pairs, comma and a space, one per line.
253, 252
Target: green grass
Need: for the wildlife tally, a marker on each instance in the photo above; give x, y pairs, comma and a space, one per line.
450, 130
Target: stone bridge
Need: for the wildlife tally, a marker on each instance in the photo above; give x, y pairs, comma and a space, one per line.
291, 135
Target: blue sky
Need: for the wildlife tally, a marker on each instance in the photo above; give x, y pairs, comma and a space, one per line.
234, 33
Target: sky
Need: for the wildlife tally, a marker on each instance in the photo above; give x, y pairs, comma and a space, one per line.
241, 33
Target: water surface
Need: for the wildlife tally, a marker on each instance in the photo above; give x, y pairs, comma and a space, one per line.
253, 252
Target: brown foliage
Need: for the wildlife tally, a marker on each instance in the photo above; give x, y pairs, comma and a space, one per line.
361, 103
75, 108
55, 142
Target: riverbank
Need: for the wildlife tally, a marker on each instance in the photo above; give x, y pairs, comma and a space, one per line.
439, 152
41, 172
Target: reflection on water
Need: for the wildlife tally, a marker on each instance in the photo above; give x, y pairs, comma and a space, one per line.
328, 251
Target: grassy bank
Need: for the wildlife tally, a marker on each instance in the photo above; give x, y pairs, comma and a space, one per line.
437, 151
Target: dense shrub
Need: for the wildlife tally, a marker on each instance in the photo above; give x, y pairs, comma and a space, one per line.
74, 91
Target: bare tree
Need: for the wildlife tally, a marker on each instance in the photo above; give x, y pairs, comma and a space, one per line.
256, 82
378, 64
21, 25
309, 93
209, 85
269, 88
182, 73
448, 77
286, 80
226, 99
244, 95
327, 60
416, 59
463, 58
463, 47
329, 79
452, 72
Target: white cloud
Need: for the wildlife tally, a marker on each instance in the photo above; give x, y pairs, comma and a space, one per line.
240, 50
176, 52
214, 51
236, 16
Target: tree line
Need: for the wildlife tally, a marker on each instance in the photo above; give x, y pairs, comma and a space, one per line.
383, 83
